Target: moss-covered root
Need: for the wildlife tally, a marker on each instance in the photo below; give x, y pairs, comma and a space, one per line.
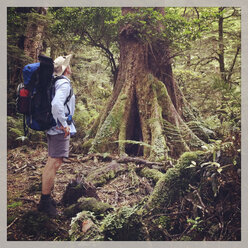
112, 127
175, 181
152, 174
125, 224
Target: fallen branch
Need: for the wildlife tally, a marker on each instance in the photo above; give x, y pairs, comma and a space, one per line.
97, 155
138, 161
120, 160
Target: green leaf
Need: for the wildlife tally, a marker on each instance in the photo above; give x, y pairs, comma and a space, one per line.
22, 138
216, 164
205, 164
191, 166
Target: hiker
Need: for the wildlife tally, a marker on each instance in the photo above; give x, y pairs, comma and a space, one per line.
58, 137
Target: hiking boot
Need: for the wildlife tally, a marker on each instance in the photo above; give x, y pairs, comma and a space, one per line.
47, 206
54, 203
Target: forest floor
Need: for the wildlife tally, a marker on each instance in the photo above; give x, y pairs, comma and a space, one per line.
220, 214
24, 189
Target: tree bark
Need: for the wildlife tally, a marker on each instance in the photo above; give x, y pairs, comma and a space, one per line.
33, 35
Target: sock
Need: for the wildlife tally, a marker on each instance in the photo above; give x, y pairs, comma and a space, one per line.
45, 197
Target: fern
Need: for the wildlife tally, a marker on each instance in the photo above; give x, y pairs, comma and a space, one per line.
141, 143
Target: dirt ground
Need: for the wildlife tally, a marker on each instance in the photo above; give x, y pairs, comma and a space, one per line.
24, 188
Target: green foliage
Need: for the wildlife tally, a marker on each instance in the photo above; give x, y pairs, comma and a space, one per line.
152, 174
198, 70
84, 26
14, 205
16, 136
195, 223
212, 167
148, 21
140, 143
82, 119
163, 222
92, 83
14, 128
229, 110
104, 174
106, 133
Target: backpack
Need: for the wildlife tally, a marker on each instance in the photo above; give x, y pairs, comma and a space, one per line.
35, 94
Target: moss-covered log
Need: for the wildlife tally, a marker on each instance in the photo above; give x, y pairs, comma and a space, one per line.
102, 175
87, 204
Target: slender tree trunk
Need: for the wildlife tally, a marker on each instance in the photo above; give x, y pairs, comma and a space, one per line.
221, 46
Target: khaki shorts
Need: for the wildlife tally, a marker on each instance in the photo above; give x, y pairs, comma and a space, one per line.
58, 145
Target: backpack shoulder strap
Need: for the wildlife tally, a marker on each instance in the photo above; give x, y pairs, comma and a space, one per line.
71, 90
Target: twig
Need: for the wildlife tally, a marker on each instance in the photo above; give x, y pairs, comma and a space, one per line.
199, 197
12, 223
23, 167
26, 199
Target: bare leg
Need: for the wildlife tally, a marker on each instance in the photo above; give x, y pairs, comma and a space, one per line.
48, 175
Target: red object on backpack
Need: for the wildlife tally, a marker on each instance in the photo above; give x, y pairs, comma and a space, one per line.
24, 92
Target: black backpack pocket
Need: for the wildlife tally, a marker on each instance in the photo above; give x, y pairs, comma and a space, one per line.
23, 100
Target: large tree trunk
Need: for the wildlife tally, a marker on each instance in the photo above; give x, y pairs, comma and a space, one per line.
147, 106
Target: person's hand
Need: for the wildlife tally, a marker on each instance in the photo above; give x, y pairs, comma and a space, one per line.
65, 129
